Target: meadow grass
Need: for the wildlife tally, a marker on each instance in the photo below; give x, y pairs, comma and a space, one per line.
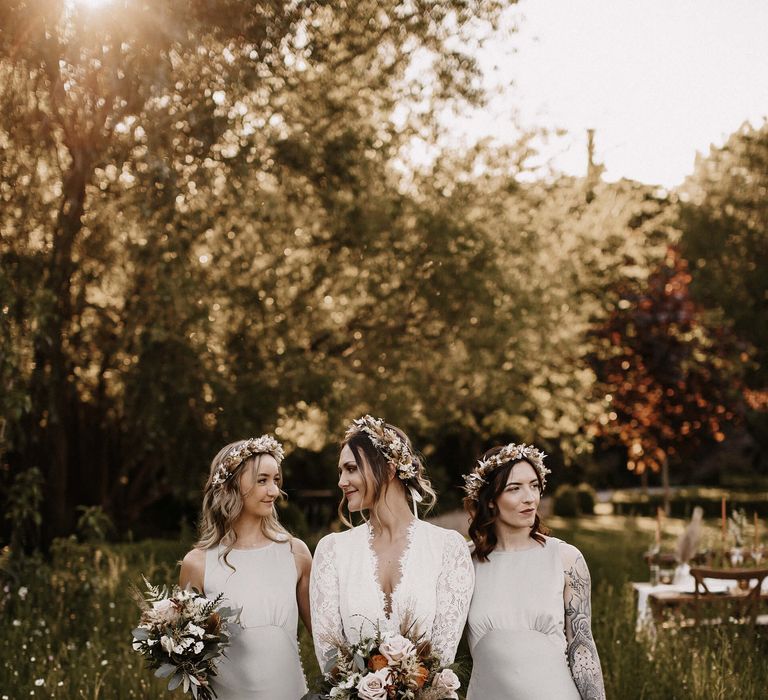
67, 622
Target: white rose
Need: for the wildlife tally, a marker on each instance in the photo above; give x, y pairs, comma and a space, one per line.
373, 686
396, 648
164, 610
448, 683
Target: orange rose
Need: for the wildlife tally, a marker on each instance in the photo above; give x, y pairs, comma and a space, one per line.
420, 677
377, 661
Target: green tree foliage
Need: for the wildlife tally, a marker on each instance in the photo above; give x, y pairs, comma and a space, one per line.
724, 221
201, 225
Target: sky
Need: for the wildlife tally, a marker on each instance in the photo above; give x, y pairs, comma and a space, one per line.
658, 80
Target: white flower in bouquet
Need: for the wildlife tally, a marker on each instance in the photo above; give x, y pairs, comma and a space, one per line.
181, 635
397, 648
446, 680
373, 686
392, 666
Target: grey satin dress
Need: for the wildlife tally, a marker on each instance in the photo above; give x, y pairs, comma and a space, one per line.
516, 627
263, 661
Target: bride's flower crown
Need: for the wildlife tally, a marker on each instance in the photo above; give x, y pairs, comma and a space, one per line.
475, 480
265, 444
395, 449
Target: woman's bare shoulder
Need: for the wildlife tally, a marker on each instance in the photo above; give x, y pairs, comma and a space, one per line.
193, 568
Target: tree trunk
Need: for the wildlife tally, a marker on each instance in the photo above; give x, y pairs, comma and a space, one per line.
665, 484
52, 366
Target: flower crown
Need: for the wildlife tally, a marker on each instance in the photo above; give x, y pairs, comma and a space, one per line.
395, 449
475, 480
265, 444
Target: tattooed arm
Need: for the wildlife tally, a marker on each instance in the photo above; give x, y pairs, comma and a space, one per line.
581, 651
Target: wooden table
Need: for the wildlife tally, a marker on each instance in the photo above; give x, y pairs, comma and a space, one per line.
708, 596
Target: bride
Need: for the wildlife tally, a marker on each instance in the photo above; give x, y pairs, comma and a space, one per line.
394, 567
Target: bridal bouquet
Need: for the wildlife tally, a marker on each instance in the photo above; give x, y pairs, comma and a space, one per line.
389, 667
182, 634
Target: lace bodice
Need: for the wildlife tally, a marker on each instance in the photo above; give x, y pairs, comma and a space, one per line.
435, 588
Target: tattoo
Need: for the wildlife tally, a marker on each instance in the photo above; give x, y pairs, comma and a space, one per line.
581, 650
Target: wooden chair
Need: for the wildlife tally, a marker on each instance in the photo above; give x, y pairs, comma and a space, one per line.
741, 605
705, 607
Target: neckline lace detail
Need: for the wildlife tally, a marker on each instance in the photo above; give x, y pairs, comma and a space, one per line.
387, 603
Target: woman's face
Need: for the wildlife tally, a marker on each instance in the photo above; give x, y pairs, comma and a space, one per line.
517, 504
351, 481
260, 486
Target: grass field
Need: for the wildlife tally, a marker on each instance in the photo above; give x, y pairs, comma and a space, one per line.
67, 621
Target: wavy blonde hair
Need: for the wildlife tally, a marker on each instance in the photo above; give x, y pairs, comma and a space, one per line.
223, 503
375, 469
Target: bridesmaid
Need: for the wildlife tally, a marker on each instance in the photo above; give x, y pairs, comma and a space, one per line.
394, 567
246, 554
530, 618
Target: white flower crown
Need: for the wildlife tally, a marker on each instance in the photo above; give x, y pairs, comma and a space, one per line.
265, 444
475, 480
395, 449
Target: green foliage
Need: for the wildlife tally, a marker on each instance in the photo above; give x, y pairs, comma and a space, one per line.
570, 500
565, 502
50, 625
94, 524
207, 233
23, 510
684, 500
204, 228
724, 220
587, 498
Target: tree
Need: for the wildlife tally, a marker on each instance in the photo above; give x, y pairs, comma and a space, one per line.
668, 377
724, 224
157, 173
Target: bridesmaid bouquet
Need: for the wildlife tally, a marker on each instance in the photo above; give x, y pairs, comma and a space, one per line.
182, 634
389, 667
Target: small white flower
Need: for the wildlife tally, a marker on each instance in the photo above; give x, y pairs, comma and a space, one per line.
199, 646
194, 630
167, 643
16, 623
39, 682
23, 592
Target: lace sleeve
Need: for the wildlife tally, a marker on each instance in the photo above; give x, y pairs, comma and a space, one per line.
324, 601
454, 592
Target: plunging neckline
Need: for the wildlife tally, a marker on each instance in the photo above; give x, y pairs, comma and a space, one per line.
402, 562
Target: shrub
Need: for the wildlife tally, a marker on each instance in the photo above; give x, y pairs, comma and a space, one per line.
587, 498
566, 501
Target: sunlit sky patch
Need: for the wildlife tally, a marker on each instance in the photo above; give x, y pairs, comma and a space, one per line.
658, 80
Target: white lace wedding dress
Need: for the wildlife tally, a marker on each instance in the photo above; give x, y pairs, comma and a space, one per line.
435, 588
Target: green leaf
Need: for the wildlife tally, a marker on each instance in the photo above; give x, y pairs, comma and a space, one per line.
165, 670
175, 682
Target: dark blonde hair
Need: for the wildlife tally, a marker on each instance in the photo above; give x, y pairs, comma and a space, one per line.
483, 517
376, 470
223, 503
